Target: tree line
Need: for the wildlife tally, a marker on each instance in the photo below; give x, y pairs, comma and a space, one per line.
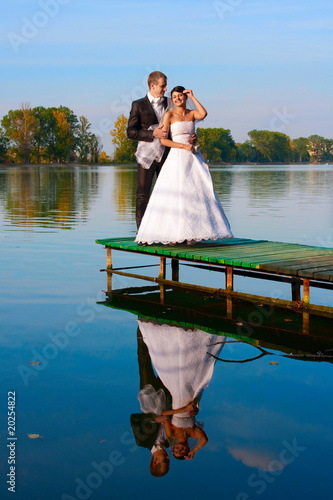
47, 135
217, 145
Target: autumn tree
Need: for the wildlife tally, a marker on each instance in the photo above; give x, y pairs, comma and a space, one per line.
20, 127
124, 147
64, 136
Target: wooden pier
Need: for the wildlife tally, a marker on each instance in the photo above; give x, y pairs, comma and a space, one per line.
302, 266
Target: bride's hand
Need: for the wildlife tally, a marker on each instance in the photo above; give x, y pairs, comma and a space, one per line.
189, 147
188, 92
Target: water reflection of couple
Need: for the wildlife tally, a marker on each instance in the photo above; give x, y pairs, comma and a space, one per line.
183, 205
170, 401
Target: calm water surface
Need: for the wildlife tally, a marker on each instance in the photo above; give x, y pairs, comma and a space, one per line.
269, 426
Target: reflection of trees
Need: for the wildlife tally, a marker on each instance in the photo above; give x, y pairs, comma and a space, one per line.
48, 197
275, 183
223, 178
124, 191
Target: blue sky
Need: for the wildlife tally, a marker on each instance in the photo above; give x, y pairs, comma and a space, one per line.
264, 64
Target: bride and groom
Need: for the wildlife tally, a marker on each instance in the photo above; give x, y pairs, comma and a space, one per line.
183, 205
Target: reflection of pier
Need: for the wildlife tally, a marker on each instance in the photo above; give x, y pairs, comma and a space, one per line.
261, 325
300, 265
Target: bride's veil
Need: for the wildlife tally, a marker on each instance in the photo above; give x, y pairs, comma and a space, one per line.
189, 103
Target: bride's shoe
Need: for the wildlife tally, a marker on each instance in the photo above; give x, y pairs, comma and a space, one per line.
171, 244
191, 243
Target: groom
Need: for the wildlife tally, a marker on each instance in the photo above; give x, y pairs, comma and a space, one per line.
143, 125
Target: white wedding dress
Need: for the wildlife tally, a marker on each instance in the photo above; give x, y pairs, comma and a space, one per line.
183, 204
182, 361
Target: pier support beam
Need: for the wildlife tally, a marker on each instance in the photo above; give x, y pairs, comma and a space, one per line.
175, 269
306, 323
306, 291
108, 258
162, 268
295, 289
230, 279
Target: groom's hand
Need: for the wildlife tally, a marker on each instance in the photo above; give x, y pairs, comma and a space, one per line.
160, 133
193, 139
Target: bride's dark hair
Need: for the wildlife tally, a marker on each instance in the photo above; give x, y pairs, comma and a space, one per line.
179, 88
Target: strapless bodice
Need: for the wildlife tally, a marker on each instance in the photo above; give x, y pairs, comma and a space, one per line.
182, 131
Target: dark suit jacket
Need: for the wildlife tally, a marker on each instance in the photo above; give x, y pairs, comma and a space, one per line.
142, 116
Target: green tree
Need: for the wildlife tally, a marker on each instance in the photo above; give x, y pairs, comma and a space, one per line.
95, 148
216, 144
124, 147
56, 137
83, 139
319, 148
273, 146
247, 152
299, 148
4, 145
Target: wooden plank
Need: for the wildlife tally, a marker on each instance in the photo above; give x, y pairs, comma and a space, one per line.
298, 263
325, 275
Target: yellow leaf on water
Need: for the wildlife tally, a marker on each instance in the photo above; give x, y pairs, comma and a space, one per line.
273, 363
34, 363
101, 441
34, 436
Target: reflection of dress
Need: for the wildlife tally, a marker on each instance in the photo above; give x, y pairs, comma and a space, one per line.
180, 358
183, 204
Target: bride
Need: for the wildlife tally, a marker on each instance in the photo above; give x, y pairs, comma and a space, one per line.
183, 205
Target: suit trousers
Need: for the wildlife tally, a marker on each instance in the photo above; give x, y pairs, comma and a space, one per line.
144, 183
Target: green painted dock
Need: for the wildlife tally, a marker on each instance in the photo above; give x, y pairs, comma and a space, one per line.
304, 265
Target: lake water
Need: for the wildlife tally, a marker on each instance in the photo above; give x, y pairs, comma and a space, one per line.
269, 426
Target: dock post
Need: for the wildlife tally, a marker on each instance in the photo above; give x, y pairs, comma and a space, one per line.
306, 323
109, 266
109, 282
162, 294
162, 268
175, 269
295, 289
230, 279
229, 307
306, 291
108, 258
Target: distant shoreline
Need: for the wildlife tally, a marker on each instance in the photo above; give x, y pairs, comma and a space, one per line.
70, 165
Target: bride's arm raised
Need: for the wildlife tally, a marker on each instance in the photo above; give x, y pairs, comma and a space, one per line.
168, 142
197, 114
